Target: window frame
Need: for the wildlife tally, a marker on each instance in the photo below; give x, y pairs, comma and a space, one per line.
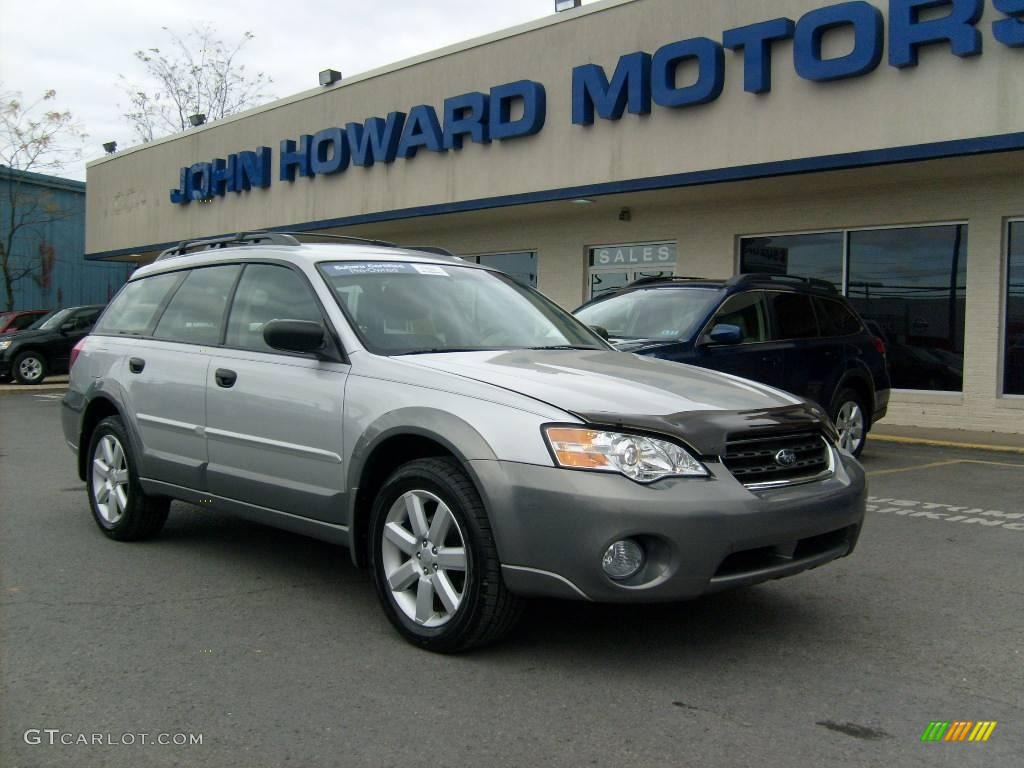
474, 258
1004, 310
589, 270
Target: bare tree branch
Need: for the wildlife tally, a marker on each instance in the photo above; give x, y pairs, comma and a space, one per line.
198, 74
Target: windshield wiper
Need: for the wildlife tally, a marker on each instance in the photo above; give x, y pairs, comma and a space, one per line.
561, 347
443, 350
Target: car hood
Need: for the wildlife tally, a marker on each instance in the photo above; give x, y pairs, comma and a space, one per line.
25, 335
599, 381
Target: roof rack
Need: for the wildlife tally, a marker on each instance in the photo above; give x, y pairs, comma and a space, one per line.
242, 238
668, 279
437, 251
809, 282
348, 238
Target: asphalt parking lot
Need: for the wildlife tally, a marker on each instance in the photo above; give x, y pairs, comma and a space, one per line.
272, 647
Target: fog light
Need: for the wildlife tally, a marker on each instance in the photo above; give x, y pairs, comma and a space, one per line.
623, 559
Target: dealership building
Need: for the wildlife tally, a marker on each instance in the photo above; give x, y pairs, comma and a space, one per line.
877, 145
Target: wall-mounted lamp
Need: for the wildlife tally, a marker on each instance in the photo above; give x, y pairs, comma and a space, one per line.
110, 147
197, 119
625, 214
566, 5
329, 77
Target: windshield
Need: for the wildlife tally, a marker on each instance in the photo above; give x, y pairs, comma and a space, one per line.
666, 314
403, 308
50, 321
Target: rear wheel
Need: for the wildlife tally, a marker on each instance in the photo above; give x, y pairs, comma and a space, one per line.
434, 561
121, 508
850, 419
30, 368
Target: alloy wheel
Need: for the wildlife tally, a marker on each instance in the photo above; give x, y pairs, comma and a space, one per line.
110, 479
30, 369
423, 553
850, 425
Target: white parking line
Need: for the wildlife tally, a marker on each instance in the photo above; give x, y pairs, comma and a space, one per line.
48, 397
926, 510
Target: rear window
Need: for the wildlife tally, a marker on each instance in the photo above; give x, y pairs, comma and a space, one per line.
836, 318
133, 309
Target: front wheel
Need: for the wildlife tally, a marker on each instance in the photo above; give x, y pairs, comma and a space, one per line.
30, 368
434, 561
851, 422
121, 508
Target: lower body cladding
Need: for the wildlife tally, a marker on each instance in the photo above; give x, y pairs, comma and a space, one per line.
554, 526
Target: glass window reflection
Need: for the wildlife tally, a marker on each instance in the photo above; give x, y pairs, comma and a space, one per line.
1014, 357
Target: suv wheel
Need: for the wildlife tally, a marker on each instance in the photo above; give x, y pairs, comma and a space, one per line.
435, 564
122, 511
851, 422
30, 368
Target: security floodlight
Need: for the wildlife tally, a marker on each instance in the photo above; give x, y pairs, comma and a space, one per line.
110, 147
329, 77
197, 119
566, 5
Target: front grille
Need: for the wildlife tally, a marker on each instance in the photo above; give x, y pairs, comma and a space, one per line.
755, 461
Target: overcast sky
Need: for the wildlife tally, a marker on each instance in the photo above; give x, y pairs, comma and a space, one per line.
80, 47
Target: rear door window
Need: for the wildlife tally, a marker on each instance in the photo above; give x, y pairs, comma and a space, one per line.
196, 313
836, 318
794, 316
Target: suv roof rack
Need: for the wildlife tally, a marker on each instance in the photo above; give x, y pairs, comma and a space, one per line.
668, 279
286, 238
795, 280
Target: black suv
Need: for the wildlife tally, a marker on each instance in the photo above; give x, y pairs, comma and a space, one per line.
797, 334
44, 349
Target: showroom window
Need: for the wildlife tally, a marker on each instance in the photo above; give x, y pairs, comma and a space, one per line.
615, 266
520, 265
908, 283
1013, 382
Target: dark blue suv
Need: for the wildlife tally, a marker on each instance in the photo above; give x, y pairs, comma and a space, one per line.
797, 334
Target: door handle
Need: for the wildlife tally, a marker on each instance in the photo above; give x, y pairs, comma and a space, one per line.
136, 364
225, 378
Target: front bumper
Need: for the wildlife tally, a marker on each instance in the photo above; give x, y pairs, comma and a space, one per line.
552, 527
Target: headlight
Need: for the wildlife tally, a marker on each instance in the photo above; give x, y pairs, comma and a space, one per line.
5, 345
643, 459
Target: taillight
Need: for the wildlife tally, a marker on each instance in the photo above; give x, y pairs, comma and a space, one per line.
76, 351
879, 345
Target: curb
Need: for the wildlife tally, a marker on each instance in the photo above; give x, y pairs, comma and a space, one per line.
27, 390
947, 444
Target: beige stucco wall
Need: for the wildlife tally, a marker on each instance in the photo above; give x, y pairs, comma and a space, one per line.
944, 98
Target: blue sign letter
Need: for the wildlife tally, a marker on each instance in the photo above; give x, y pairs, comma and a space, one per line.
1010, 31
421, 130
710, 60
292, 159
199, 181
376, 140
180, 195
535, 109
756, 43
630, 87
466, 115
907, 32
329, 152
868, 29
224, 171
253, 169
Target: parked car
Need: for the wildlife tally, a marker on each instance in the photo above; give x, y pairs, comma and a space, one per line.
12, 322
44, 349
796, 334
467, 439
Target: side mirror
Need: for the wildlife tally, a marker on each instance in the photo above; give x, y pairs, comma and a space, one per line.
725, 334
69, 326
301, 336
601, 331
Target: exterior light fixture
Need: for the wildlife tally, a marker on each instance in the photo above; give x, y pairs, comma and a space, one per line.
625, 215
329, 77
566, 5
582, 201
197, 119
110, 147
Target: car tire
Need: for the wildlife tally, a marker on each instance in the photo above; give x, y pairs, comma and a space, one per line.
434, 561
29, 368
121, 509
850, 418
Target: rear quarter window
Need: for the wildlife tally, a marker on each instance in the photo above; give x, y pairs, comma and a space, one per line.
836, 318
134, 309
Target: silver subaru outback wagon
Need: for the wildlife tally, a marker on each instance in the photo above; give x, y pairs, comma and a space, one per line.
468, 440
